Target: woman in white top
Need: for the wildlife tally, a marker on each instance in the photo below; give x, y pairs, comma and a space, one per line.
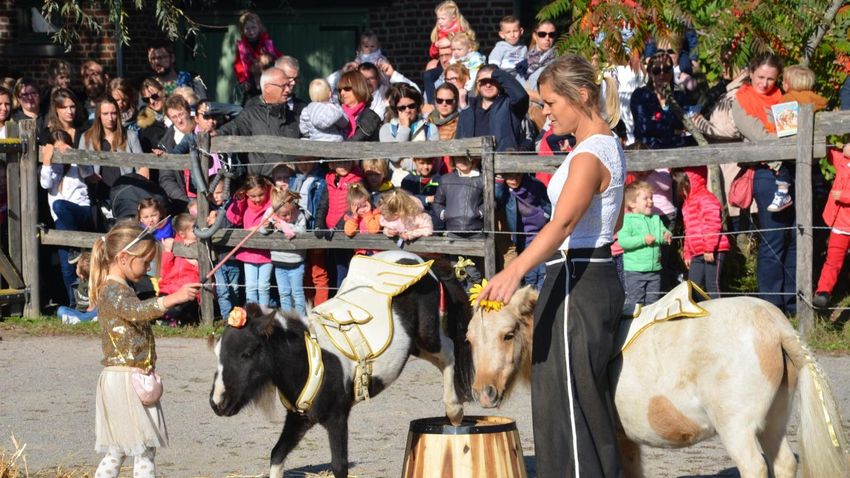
582, 299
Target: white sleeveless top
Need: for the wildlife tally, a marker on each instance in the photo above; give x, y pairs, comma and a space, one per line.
596, 227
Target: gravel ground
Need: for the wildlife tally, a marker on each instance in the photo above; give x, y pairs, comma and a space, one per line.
47, 401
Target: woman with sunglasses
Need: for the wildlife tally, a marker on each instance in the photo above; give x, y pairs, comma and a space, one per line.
404, 122
355, 97
658, 122
498, 109
25, 102
445, 117
541, 53
151, 120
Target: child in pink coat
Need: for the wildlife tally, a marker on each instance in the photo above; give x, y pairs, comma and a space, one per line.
252, 207
836, 215
705, 245
255, 41
403, 216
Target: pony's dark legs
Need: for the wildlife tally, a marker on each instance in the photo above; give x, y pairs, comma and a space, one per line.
294, 429
337, 428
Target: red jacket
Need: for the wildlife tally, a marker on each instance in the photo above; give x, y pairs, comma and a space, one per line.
337, 191
837, 211
701, 216
247, 54
176, 271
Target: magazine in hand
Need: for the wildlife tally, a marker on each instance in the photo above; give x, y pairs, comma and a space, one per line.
785, 118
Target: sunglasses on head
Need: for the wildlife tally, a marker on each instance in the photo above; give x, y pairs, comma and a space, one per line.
411, 106
657, 70
344, 88
542, 34
445, 101
153, 97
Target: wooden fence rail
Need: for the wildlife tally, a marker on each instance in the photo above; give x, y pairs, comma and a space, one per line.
809, 143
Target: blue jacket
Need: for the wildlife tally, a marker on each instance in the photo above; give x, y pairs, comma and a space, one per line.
506, 114
515, 221
654, 126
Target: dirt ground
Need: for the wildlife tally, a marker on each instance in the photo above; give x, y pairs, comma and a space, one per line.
47, 401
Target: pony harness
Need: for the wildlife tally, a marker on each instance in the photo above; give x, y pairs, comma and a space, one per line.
358, 321
677, 304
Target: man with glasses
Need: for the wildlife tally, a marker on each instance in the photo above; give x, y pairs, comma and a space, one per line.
161, 61
433, 78
292, 69
270, 116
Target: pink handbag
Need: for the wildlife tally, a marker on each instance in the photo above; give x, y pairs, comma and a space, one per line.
148, 386
741, 190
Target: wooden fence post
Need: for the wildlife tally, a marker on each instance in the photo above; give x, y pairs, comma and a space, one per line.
13, 207
29, 232
803, 210
207, 294
488, 171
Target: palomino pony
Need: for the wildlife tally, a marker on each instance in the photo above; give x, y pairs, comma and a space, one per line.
268, 354
732, 373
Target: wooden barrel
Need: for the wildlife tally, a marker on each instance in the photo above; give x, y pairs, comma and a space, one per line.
479, 447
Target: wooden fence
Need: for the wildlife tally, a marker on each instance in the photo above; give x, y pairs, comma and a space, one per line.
810, 143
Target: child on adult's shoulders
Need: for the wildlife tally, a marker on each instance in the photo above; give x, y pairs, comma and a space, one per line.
640, 237
465, 51
508, 52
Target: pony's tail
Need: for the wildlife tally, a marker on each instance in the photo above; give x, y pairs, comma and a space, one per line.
458, 313
822, 440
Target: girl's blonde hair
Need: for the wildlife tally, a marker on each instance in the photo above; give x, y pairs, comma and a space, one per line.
375, 164
357, 192
105, 251
249, 16
399, 203
632, 190
282, 196
465, 37
450, 7
320, 90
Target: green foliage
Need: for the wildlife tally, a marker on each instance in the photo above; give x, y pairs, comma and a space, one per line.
53, 326
74, 16
730, 32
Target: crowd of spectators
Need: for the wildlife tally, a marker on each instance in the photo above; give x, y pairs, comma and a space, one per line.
464, 94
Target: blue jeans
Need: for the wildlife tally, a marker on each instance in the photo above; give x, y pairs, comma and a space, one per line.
776, 267
70, 217
290, 286
535, 277
82, 316
258, 283
227, 287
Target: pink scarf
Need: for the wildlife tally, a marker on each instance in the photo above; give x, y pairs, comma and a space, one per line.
351, 112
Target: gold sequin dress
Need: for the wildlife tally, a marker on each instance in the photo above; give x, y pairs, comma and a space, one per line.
122, 423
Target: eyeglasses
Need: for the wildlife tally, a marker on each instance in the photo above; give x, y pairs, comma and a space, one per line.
542, 34
30, 94
279, 85
153, 97
445, 101
657, 70
344, 88
487, 82
410, 106
668, 51
454, 78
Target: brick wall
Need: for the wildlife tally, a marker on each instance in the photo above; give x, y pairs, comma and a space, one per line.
404, 29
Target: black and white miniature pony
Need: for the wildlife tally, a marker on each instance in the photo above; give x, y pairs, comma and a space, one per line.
270, 350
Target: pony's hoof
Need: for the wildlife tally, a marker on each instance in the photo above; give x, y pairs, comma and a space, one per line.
455, 414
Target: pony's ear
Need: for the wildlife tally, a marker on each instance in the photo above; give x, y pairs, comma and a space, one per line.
253, 310
524, 301
267, 324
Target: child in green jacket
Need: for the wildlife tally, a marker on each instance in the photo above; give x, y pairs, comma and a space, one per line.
641, 238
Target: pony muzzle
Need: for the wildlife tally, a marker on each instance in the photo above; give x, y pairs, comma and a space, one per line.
488, 396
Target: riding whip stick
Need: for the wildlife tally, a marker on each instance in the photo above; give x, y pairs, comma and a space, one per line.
233, 251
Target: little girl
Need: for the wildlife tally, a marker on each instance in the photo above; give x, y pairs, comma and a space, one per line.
150, 214
255, 41
376, 171
449, 20
836, 215
403, 216
250, 209
123, 425
322, 120
465, 51
339, 179
360, 216
369, 49
289, 264
705, 245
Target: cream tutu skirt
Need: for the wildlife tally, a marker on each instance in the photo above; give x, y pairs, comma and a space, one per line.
122, 423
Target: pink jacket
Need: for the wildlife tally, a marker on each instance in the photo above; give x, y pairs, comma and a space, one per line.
701, 216
837, 211
337, 191
418, 226
247, 214
246, 55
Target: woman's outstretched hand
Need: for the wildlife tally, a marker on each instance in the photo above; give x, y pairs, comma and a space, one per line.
501, 287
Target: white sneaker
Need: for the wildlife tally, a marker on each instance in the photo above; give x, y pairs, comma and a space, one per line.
70, 319
781, 200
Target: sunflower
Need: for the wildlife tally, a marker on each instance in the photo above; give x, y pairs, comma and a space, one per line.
488, 305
